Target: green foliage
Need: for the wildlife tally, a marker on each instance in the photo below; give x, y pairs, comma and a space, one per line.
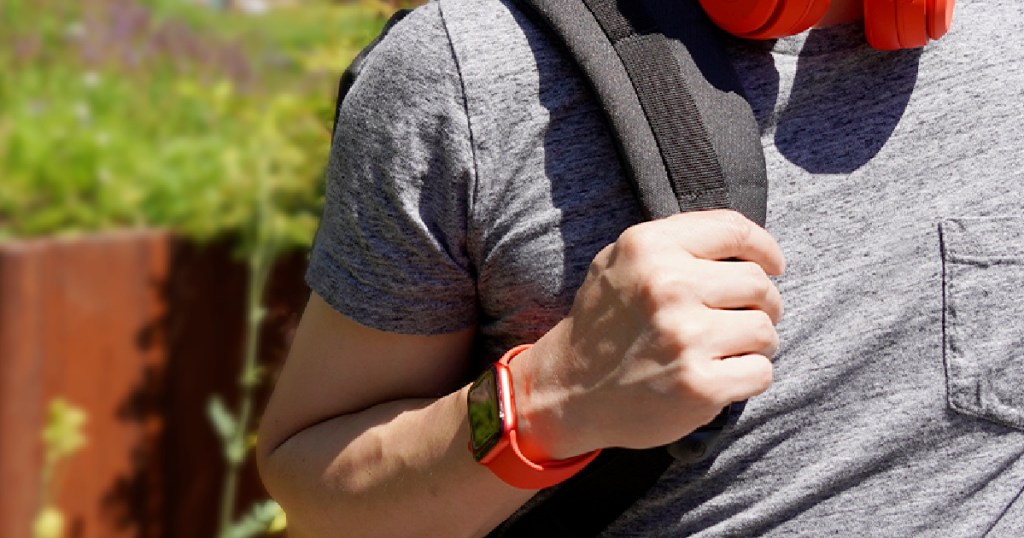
224, 424
62, 436
264, 518
161, 113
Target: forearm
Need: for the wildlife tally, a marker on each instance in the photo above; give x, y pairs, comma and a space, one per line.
396, 469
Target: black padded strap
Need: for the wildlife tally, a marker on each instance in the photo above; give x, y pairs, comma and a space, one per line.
647, 100
692, 166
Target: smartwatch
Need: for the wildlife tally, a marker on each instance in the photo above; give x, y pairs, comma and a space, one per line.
492, 423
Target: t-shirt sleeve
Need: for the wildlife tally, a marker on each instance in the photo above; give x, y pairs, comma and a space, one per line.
391, 250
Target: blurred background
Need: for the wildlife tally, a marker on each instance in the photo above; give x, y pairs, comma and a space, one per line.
161, 177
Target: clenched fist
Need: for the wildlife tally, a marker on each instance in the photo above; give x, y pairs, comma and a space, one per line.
674, 321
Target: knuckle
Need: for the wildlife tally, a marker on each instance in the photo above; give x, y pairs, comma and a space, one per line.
603, 255
690, 331
663, 325
773, 346
756, 281
695, 387
765, 334
660, 289
635, 241
760, 283
763, 293
675, 338
703, 391
763, 377
736, 226
648, 291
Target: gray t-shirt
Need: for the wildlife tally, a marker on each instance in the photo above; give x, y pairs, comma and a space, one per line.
472, 180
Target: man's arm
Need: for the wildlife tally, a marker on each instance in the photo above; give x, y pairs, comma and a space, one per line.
366, 432
364, 435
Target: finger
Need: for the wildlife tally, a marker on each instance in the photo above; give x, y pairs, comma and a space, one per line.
723, 234
739, 332
738, 285
742, 377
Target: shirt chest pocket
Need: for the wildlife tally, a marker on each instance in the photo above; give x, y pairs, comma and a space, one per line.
983, 287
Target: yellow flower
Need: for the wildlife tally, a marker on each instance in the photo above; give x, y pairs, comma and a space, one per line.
63, 431
279, 523
49, 523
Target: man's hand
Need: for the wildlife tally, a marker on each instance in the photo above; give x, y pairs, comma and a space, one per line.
674, 321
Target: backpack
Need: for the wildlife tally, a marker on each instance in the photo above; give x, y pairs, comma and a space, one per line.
666, 88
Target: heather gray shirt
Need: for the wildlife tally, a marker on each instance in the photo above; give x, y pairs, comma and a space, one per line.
472, 180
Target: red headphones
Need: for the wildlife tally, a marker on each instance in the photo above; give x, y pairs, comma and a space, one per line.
889, 24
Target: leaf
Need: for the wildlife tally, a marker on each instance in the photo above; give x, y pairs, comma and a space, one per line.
265, 517
223, 421
63, 431
279, 523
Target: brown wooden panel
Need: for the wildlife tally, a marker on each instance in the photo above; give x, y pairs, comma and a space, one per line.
139, 329
20, 388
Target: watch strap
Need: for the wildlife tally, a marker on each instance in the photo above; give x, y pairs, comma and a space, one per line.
513, 467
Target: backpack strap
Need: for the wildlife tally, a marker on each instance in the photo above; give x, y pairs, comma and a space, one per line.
665, 92
647, 86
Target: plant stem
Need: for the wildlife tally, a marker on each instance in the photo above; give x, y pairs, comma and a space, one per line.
259, 269
260, 259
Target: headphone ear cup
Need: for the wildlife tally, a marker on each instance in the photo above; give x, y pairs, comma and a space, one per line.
905, 24
739, 17
764, 19
880, 25
912, 23
940, 17
813, 11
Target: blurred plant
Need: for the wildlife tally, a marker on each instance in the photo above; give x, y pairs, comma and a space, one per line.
264, 518
62, 437
265, 236
126, 114
160, 113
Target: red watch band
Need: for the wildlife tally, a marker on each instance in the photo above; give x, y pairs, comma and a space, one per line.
507, 461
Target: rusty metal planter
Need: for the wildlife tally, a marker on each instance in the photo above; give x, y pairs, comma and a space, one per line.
138, 328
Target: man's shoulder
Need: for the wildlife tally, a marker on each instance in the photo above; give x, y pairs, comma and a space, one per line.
497, 44
418, 40
483, 14
444, 38
410, 69
456, 21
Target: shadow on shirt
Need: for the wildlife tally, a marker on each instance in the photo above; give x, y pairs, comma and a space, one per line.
844, 104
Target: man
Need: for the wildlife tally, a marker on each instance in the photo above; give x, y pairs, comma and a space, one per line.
475, 202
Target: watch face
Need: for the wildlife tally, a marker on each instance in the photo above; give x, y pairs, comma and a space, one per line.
485, 419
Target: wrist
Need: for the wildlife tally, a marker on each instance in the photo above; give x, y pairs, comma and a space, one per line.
546, 431
496, 440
